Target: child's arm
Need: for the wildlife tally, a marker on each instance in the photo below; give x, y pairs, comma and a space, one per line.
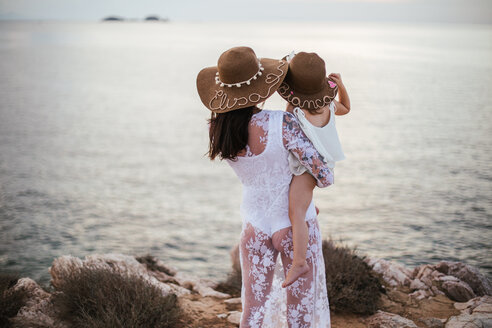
289, 108
296, 141
342, 106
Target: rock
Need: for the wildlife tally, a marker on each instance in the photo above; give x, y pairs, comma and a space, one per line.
234, 317
436, 291
427, 280
433, 322
389, 320
470, 306
476, 320
459, 281
476, 312
483, 308
448, 278
461, 306
418, 284
478, 282
398, 296
393, 273
421, 294
64, 266
157, 268
436, 274
38, 311
222, 315
458, 290
236, 300
233, 303
425, 270
201, 286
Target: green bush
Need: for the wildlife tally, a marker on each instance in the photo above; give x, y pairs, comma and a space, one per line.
351, 284
102, 298
10, 301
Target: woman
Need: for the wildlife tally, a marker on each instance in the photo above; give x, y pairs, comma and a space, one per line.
256, 144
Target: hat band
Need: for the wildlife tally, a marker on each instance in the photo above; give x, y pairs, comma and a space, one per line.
238, 84
288, 94
223, 102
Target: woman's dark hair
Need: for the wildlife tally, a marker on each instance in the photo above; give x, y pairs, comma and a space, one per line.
229, 133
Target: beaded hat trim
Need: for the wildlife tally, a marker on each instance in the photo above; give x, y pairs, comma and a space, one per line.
262, 77
238, 84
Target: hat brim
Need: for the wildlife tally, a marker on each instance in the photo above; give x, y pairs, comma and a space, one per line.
312, 101
225, 99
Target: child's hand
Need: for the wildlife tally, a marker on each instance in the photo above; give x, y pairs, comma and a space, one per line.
342, 106
337, 78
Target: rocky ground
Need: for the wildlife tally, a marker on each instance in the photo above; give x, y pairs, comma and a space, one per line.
447, 294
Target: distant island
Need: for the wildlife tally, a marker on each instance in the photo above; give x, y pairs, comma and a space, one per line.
113, 18
151, 18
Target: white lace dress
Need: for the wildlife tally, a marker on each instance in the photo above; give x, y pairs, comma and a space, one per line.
267, 234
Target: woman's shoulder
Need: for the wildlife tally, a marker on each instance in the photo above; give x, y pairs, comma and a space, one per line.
273, 114
285, 120
270, 111
279, 114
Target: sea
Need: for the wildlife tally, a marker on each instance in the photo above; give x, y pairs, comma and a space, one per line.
103, 141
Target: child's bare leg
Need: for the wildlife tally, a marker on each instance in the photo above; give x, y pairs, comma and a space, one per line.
300, 195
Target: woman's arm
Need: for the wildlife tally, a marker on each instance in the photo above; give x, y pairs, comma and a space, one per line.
342, 106
301, 147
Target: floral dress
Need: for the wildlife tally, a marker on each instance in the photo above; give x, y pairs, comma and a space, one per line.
266, 233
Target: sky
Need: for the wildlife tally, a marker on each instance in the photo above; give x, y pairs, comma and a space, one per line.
428, 11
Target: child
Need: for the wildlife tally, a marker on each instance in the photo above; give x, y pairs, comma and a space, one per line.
311, 98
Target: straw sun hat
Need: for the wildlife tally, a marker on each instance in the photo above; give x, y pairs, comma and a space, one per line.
306, 84
239, 80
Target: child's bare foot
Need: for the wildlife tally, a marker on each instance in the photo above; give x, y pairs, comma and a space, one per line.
295, 272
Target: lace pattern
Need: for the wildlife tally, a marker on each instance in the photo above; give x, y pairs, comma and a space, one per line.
266, 233
265, 303
259, 121
307, 302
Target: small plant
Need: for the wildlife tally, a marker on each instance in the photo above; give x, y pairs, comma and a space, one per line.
92, 297
232, 285
151, 264
10, 301
351, 284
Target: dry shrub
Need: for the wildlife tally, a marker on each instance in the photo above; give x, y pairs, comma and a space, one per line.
151, 264
351, 284
232, 285
95, 298
10, 301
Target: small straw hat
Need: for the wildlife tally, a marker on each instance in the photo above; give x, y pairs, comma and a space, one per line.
239, 80
306, 85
